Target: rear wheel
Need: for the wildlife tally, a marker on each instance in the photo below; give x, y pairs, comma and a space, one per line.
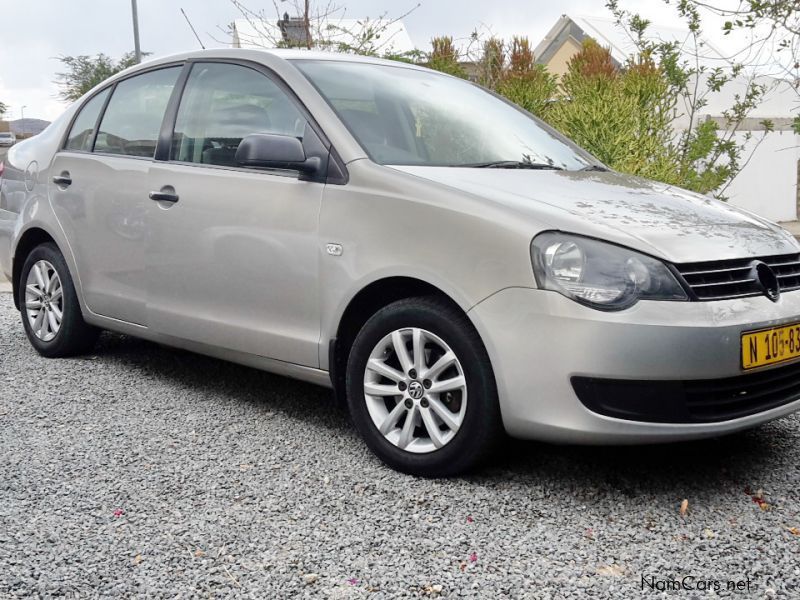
421, 389
51, 314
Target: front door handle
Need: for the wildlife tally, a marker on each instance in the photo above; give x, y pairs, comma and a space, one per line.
163, 196
63, 180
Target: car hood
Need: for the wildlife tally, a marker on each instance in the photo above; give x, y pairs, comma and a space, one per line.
656, 218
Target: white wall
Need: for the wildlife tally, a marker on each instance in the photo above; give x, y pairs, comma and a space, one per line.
767, 186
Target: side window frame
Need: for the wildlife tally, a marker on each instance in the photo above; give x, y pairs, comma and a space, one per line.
113, 88
336, 171
164, 145
63, 146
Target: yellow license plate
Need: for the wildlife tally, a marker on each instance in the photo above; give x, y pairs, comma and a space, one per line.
770, 346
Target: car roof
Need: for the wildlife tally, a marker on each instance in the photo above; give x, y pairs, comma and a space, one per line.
268, 56
301, 54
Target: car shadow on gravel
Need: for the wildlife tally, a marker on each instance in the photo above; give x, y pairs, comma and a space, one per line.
629, 470
731, 462
207, 375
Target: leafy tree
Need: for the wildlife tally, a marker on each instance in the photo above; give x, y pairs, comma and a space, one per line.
84, 72
3, 109
771, 31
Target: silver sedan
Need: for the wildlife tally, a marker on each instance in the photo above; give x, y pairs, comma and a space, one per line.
447, 263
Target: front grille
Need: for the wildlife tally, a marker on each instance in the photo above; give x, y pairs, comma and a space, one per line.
698, 401
726, 279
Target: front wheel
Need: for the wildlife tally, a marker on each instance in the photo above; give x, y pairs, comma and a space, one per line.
49, 305
421, 390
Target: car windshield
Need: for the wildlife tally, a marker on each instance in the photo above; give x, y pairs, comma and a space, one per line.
407, 116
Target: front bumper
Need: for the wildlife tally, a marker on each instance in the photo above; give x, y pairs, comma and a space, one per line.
538, 341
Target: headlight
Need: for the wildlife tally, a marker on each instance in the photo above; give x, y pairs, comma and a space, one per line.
599, 274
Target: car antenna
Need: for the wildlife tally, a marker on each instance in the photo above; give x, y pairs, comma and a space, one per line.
199, 41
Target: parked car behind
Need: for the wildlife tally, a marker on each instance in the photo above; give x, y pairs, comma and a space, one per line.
7, 138
446, 262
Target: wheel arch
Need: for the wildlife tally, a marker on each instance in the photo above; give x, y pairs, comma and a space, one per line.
30, 239
365, 303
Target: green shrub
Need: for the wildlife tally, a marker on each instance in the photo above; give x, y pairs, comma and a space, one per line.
524, 82
444, 57
622, 117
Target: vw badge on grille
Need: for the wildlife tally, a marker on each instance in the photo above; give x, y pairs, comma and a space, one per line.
766, 280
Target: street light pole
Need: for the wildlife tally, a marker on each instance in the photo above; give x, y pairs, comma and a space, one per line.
22, 110
136, 47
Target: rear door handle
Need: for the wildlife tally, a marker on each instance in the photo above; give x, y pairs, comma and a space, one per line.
164, 196
63, 180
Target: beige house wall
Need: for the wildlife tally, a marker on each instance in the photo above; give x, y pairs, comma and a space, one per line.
558, 63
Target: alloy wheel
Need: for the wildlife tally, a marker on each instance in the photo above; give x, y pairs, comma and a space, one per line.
415, 390
44, 300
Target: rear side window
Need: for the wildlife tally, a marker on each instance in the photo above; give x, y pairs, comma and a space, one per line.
222, 104
132, 121
82, 132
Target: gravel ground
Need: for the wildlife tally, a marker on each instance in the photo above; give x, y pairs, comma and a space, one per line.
144, 471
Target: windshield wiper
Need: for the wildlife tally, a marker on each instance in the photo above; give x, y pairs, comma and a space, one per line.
600, 168
511, 164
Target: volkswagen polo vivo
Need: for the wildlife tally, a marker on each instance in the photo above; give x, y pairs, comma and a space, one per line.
443, 260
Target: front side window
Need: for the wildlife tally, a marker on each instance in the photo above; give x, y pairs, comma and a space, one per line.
406, 116
82, 132
132, 121
222, 104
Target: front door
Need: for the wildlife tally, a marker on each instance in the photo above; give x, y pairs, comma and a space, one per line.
232, 253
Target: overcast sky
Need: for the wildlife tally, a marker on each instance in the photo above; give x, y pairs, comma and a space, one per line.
34, 32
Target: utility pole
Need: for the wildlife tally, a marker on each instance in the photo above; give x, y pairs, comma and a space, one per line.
22, 111
307, 24
136, 47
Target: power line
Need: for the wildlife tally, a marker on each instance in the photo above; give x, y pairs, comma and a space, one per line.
199, 41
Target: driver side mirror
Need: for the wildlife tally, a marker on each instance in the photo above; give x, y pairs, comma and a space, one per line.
273, 151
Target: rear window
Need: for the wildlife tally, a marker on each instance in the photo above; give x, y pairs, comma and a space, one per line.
82, 133
132, 121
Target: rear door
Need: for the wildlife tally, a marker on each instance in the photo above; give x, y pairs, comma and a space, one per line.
232, 261
99, 190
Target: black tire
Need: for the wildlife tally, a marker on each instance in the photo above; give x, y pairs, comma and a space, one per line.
74, 336
481, 428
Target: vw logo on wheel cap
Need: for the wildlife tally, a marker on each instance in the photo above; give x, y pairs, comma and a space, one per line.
415, 390
766, 280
